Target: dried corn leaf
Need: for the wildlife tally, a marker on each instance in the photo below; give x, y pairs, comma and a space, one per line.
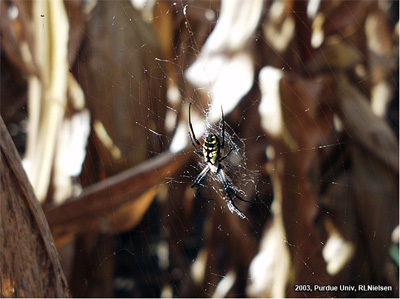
123, 80
30, 266
127, 194
361, 124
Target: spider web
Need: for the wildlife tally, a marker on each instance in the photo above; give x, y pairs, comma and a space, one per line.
240, 177
156, 257
136, 268
244, 180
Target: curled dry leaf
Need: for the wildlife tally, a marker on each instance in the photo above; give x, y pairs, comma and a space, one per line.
373, 156
29, 263
361, 124
126, 195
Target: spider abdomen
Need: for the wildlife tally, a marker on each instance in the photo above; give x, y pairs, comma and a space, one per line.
211, 148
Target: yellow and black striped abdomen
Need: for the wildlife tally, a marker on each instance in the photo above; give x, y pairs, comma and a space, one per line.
211, 148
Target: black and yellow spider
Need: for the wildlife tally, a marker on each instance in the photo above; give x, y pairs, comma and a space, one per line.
211, 152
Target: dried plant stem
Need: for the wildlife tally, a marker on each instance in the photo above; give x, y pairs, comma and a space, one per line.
47, 96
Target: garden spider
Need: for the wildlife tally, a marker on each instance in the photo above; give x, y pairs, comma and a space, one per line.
211, 152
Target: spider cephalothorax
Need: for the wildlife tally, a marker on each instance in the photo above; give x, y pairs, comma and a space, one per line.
211, 152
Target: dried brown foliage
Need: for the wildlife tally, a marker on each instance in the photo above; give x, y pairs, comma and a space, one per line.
314, 86
30, 266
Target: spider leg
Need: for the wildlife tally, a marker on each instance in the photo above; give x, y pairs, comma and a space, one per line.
226, 155
191, 128
201, 176
228, 188
223, 128
198, 180
198, 194
238, 211
195, 148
